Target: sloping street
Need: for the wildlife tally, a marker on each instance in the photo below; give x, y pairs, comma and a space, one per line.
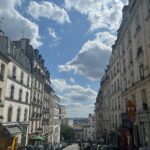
72, 147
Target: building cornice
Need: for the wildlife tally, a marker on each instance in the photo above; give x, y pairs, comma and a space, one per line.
16, 101
16, 81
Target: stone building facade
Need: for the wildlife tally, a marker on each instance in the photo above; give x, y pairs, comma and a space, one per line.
27, 100
18, 90
128, 79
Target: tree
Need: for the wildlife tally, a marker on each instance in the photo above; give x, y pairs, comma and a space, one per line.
67, 132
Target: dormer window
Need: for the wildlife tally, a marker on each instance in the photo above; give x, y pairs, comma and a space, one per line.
14, 72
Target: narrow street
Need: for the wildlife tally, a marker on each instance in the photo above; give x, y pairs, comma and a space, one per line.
72, 147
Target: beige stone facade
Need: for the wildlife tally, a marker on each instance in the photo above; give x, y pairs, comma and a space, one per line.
3, 75
129, 73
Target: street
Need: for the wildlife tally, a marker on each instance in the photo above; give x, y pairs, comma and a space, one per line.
72, 147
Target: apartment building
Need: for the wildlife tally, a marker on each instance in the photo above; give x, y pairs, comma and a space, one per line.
3, 76
57, 120
134, 40
47, 117
128, 78
28, 104
18, 90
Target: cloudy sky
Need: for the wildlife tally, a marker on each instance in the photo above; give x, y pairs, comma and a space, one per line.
74, 37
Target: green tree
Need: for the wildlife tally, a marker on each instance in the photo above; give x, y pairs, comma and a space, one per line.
67, 133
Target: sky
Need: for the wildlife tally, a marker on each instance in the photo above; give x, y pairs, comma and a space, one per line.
75, 39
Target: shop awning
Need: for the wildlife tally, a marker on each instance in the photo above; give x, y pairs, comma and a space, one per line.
11, 129
37, 137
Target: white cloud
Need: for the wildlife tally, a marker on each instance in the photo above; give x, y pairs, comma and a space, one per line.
100, 13
55, 39
72, 80
77, 99
92, 57
52, 33
48, 10
14, 23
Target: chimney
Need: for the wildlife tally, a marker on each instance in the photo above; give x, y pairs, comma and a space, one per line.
24, 43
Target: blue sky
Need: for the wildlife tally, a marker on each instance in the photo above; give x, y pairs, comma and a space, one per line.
74, 37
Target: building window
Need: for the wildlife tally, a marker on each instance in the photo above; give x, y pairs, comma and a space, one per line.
39, 85
117, 67
137, 21
9, 115
124, 65
2, 70
118, 86
130, 56
25, 114
32, 126
139, 51
14, 72
125, 84
12, 89
141, 69
20, 94
132, 78
27, 97
28, 81
35, 85
18, 114
119, 102
144, 99
144, 96
129, 36
0, 95
21, 77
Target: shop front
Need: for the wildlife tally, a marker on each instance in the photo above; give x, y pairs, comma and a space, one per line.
10, 136
24, 139
127, 140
